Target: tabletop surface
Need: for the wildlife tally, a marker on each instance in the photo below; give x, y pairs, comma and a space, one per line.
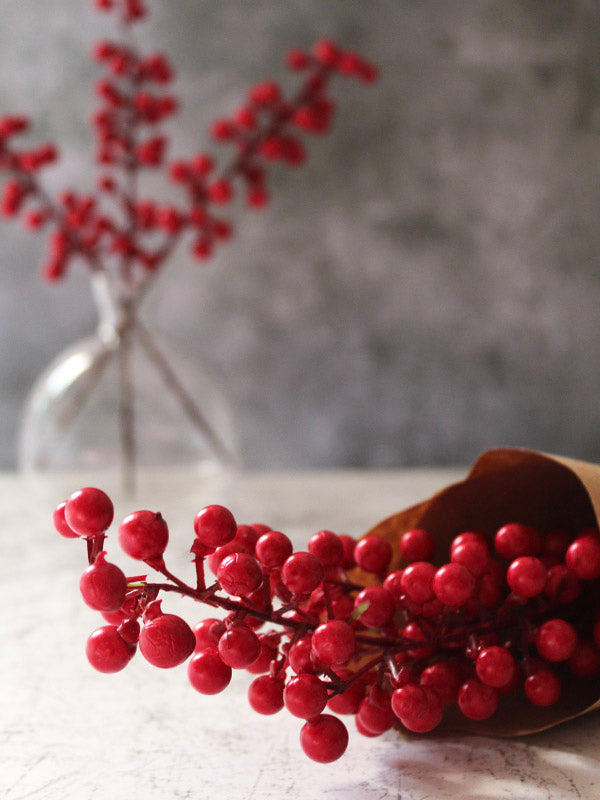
69, 732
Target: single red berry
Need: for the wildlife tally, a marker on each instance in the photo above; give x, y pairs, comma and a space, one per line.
375, 712
302, 658
265, 695
348, 701
107, 651
410, 701
207, 633
103, 585
476, 700
583, 558
428, 721
60, 523
214, 526
417, 545
556, 640
417, 581
362, 730
297, 59
222, 130
257, 197
166, 641
473, 555
393, 583
562, 585
327, 52
143, 535
89, 512
265, 94
415, 633
468, 536
444, 678
334, 642
348, 543
380, 606
373, 554
220, 191
268, 653
207, 673
327, 547
453, 584
305, 696
585, 659
526, 576
514, 540
301, 573
215, 558
495, 666
324, 739
239, 574
543, 687
239, 647
273, 548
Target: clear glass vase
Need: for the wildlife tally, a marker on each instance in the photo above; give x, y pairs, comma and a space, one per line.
122, 401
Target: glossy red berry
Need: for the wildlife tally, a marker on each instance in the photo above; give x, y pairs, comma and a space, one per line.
583, 558
166, 641
476, 700
334, 642
89, 512
373, 554
239, 646
417, 545
273, 548
375, 711
562, 585
543, 687
207, 673
143, 535
514, 540
380, 606
215, 526
305, 696
327, 547
410, 701
239, 574
417, 581
473, 555
526, 576
444, 678
348, 701
300, 656
103, 585
453, 585
60, 523
268, 653
265, 695
495, 666
301, 573
324, 739
348, 544
107, 651
556, 640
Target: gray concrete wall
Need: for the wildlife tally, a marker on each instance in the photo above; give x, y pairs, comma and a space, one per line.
427, 287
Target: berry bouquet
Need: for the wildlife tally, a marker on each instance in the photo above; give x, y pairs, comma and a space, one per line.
477, 610
125, 238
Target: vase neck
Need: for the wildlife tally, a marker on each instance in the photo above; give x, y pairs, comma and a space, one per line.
116, 302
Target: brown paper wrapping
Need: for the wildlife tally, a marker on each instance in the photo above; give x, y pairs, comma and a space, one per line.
511, 485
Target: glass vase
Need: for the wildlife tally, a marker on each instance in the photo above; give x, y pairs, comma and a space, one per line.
122, 400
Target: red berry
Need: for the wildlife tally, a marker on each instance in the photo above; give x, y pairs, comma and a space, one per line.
207, 633
143, 535
473, 555
417, 581
305, 696
414, 632
348, 543
273, 548
207, 673
514, 540
327, 52
476, 700
166, 641
375, 711
89, 512
583, 558
556, 543
444, 678
453, 584
526, 576
301, 573
542, 687
348, 701
265, 695
297, 59
380, 606
214, 526
220, 191
334, 642
327, 547
373, 554
417, 545
231, 547
562, 585
239, 574
239, 647
468, 536
585, 659
556, 640
324, 739
301, 656
410, 701
265, 94
60, 523
393, 583
257, 197
495, 666
222, 130
427, 722
268, 653
103, 585
107, 651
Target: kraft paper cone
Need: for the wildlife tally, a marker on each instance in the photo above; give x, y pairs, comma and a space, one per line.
512, 485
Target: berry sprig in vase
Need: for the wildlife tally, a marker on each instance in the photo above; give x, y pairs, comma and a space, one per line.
120, 395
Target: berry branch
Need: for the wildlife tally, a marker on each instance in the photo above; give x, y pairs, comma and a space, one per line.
484, 626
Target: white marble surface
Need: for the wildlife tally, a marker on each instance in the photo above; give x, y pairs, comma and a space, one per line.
68, 732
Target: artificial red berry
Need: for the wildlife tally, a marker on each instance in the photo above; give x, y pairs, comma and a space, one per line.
410, 701
214, 526
542, 687
107, 651
476, 700
301, 573
453, 584
562, 585
375, 711
265, 695
373, 554
380, 606
348, 701
473, 555
301, 656
414, 632
208, 632
324, 739
526, 576
239, 574
417, 545
334, 642
220, 191
166, 641
444, 678
416, 581
103, 585
327, 547
239, 647
144, 535
207, 673
514, 540
583, 558
60, 523
495, 666
265, 94
556, 640
268, 653
468, 536
89, 511
305, 696
297, 59
348, 544
273, 548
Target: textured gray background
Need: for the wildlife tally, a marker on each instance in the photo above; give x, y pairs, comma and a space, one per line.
428, 286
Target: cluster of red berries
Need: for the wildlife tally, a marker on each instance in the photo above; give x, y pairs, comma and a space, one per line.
134, 232
484, 625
